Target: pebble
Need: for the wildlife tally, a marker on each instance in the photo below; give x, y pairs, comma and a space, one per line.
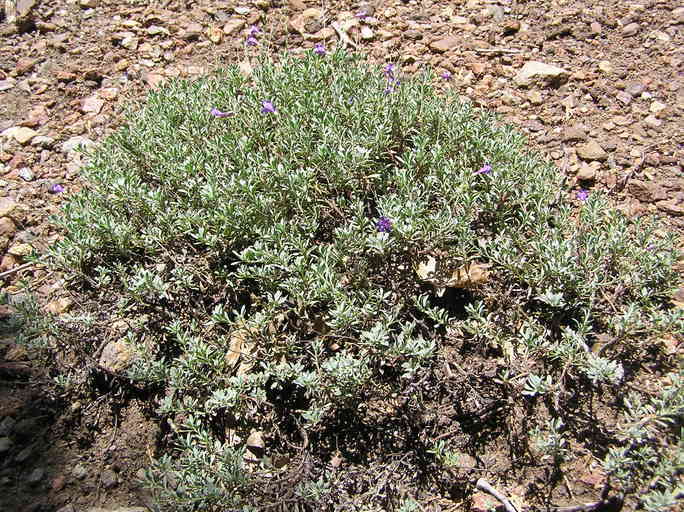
155, 30
43, 141
535, 97
534, 71
635, 88
36, 476
657, 107
367, 33
591, 151
624, 97
21, 134
444, 45
7, 206
7, 230
233, 26
26, 174
75, 142
92, 104
5, 444
630, 29
116, 356
109, 479
24, 454
574, 133
605, 66
7, 424
20, 250
79, 471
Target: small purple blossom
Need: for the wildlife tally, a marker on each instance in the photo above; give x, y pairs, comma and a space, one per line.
446, 75
362, 15
582, 195
389, 89
485, 169
217, 113
319, 49
650, 247
384, 225
253, 31
56, 189
389, 71
267, 107
251, 41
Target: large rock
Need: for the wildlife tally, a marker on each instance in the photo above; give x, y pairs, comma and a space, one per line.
76, 142
444, 45
21, 134
538, 72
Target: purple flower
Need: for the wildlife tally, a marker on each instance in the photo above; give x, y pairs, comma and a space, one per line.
389, 71
267, 107
253, 31
56, 189
446, 75
319, 49
582, 195
650, 247
384, 225
217, 113
251, 41
362, 15
485, 169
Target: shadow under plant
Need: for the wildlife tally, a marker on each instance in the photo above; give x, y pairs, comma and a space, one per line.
341, 290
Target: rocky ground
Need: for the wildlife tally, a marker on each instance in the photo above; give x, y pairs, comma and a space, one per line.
598, 86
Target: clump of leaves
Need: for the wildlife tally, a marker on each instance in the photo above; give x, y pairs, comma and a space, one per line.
303, 241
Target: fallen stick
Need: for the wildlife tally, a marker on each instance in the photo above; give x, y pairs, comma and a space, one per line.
484, 486
15, 269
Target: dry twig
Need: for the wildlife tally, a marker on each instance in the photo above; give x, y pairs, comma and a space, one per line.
484, 486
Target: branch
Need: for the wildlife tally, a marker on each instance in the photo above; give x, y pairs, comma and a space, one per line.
484, 486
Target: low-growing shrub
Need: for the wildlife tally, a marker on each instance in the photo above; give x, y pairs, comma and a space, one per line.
299, 245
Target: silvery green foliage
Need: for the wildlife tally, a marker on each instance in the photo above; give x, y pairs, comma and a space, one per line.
289, 233
650, 461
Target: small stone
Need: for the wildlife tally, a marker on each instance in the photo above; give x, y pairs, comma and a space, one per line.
43, 141
671, 207
58, 483
26, 174
534, 71
59, 306
586, 172
155, 30
573, 133
642, 190
24, 65
21, 134
445, 44
624, 97
652, 121
631, 29
24, 454
75, 142
130, 42
535, 97
233, 26
657, 107
367, 33
605, 66
7, 230
591, 151
192, 32
635, 89
5, 444
20, 250
108, 93
79, 472
67, 508
7, 206
36, 476
510, 27
109, 479
88, 4
482, 502
242, 10
595, 28
116, 356
7, 425
255, 444
92, 105
6, 85
215, 35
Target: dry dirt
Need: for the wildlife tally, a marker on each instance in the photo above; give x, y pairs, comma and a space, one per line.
611, 120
